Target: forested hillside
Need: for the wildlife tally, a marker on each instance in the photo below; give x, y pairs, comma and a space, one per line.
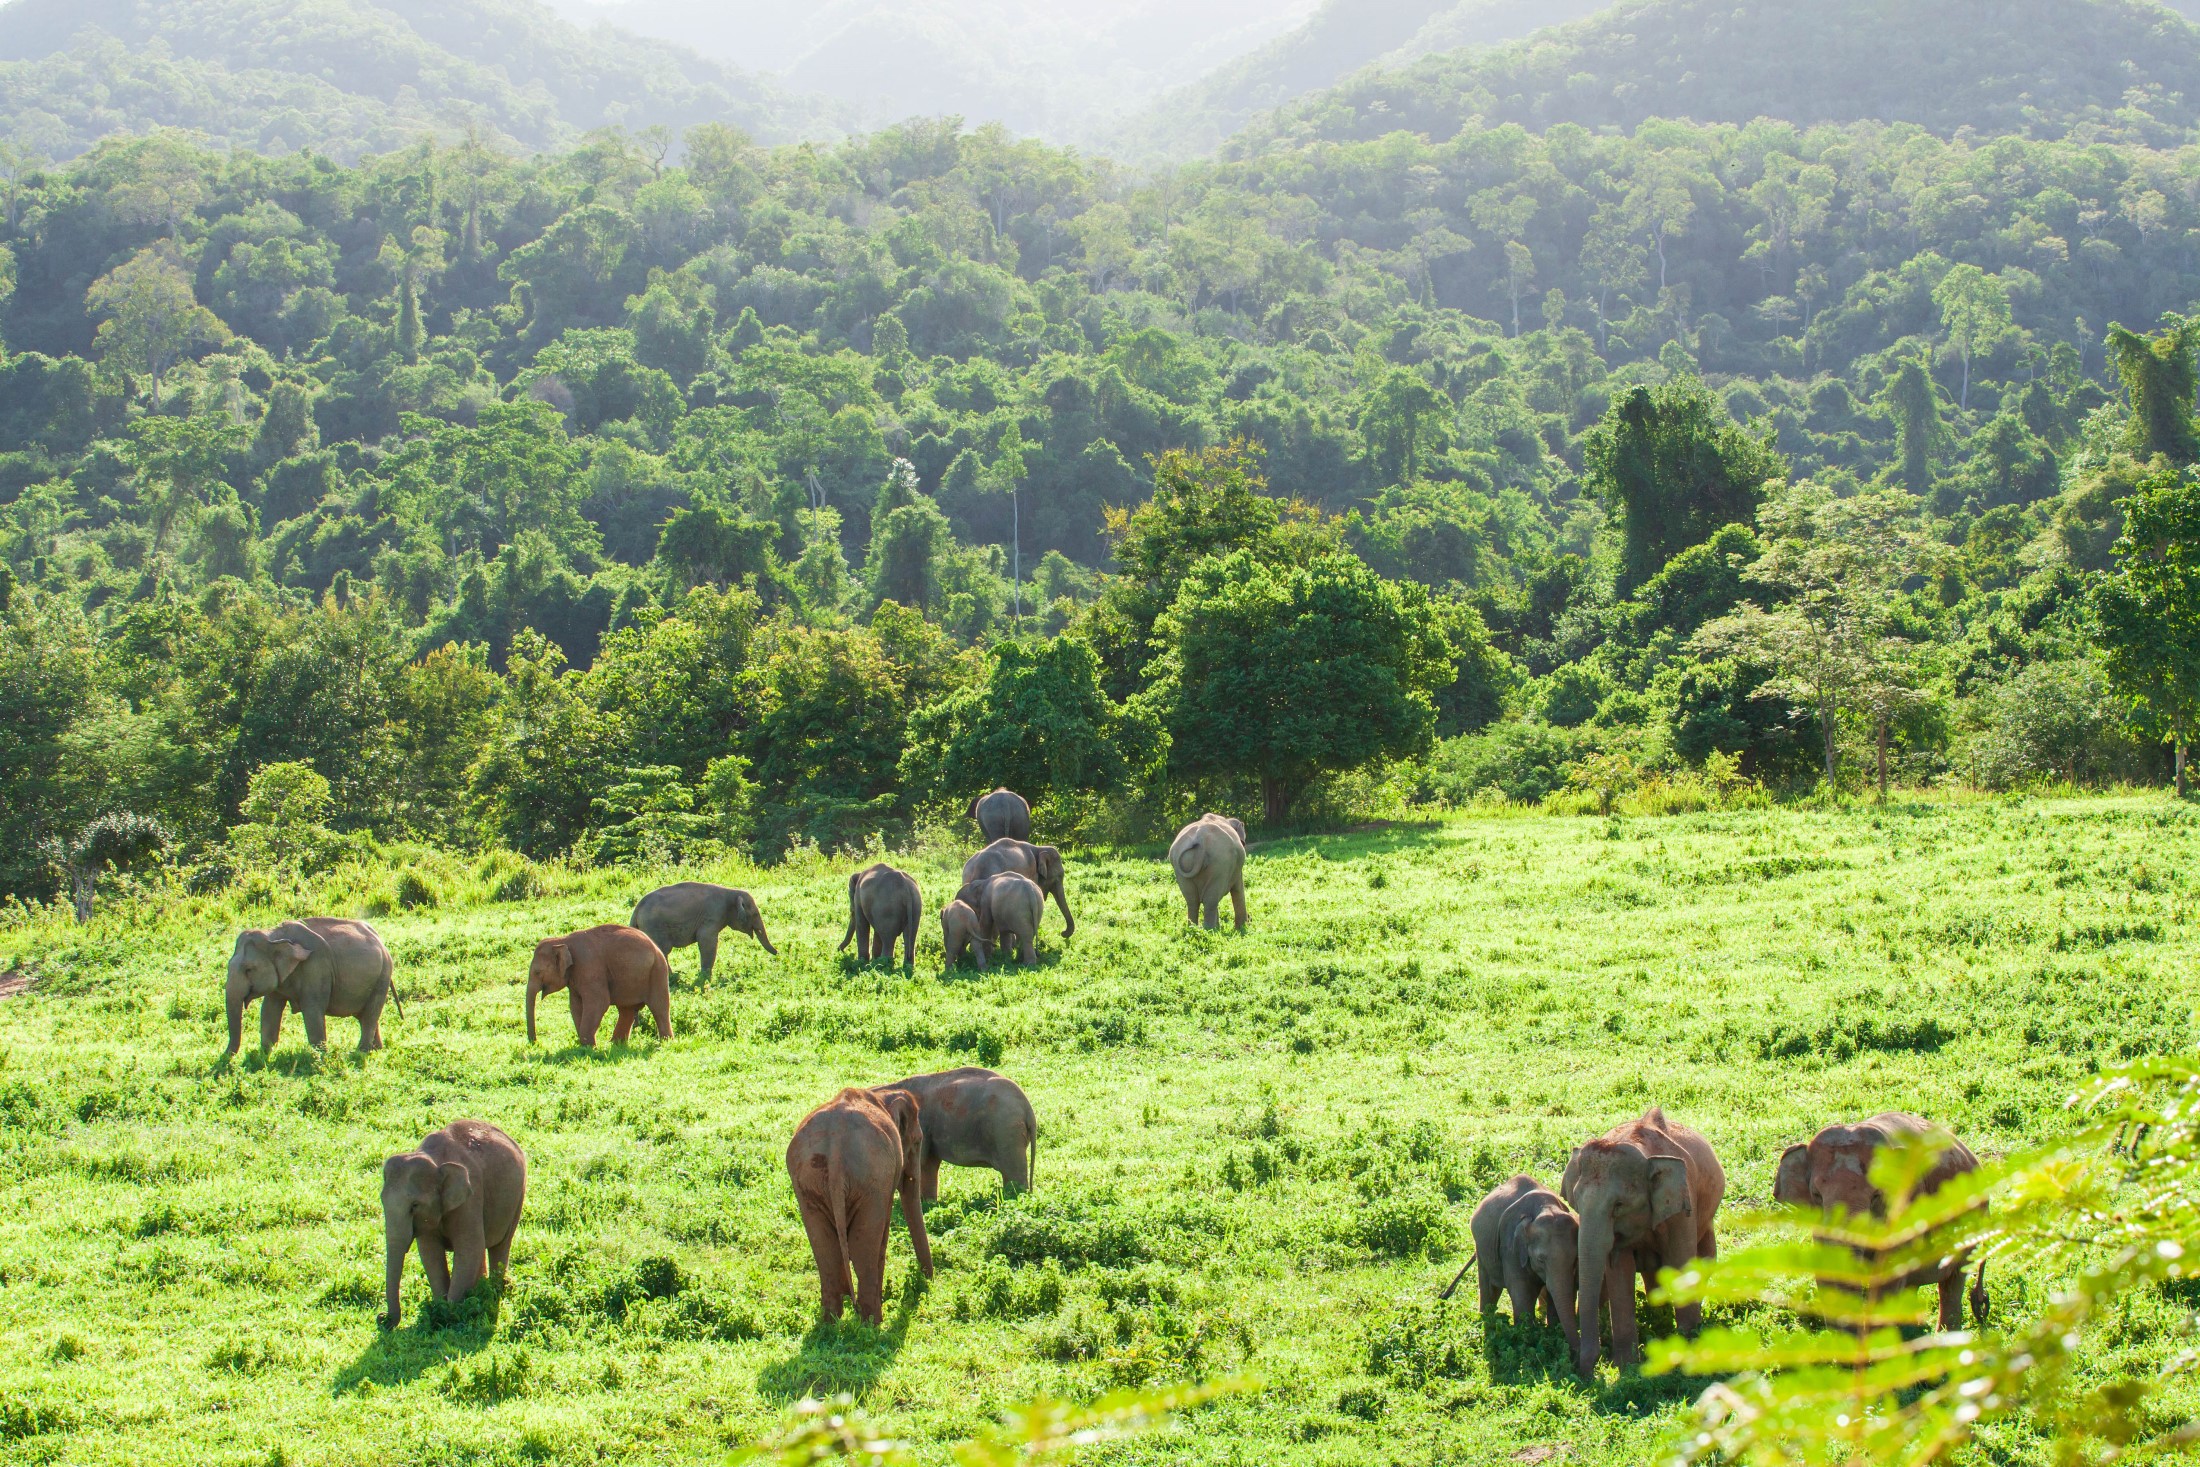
2114, 69
604, 501
349, 78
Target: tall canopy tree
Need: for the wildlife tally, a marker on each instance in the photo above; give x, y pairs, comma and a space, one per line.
2149, 609
1676, 467
2159, 379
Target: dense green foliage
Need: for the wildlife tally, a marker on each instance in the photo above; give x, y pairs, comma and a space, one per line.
1258, 1154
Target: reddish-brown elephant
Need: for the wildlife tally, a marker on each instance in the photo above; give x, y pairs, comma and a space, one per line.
602, 968
847, 1160
1647, 1193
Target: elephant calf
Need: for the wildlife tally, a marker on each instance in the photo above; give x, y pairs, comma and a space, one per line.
457, 1195
1833, 1169
974, 1117
1042, 864
322, 966
1008, 908
884, 905
1525, 1243
846, 1161
1002, 815
1208, 857
602, 968
696, 912
960, 933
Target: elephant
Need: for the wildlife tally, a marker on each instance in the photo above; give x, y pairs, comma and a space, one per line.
883, 904
1647, 1193
1208, 857
846, 1161
1002, 815
974, 1117
695, 911
603, 967
458, 1193
320, 966
1008, 907
1042, 864
1525, 1244
960, 933
1832, 1171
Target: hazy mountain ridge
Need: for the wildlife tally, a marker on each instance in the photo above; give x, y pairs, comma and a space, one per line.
351, 79
2110, 69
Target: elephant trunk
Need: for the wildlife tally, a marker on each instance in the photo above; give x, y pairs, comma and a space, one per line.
1563, 1287
236, 993
534, 987
1592, 1257
1061, 899
912, 1211
396, 1239
765, 939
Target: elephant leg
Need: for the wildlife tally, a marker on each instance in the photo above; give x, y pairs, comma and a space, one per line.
1210, 912
1027, 951
706, 945
587, 1018
316, 1017
909, 947
660, 1009
931, 1176
1191, 905
370, 1021
1619, 1287
1015, 1167
863, 939
500, 1256
1951, 1298
1237, 902
1521, 1289
625, 1026
437, 1265
867, 1228
832, 1269
1490, 1283
271, 1020
1688, 1318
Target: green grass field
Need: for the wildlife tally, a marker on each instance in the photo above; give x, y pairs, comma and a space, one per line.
1257, 1152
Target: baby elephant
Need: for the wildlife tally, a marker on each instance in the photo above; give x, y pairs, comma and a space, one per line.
960, 933
696, 912
1208, 857
883, 905
1833, 1170
1008, 908
1525, 1241
602, 967
458, 1196
321, 966
974, 1117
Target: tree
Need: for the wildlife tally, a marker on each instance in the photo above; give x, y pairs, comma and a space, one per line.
152, 317
1284, 673
2148, 609
1038, 723
1405, 427
2159, 379
1005, 475
1676, 468
1836, 567
112, 842
1911, 397
1974, 311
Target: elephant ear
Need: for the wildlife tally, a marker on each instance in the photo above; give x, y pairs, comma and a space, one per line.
972, 809
1791, 1183
1237, 825
902, 1106
288, 955
453, 1186
1668, 1189
565, 959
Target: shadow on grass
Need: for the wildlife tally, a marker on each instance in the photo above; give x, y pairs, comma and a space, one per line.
603, 1052
841, 1356
291, 1062
1537, 1354
436, 1335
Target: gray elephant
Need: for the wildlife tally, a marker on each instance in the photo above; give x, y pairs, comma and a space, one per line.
1002, 815
323, 967
1208, 857
458, 1195
975, 1117
1832, 1171
696, 912
1042, 864
883, 905
960, 933
1008, 908
1647, 1193
1525, 1244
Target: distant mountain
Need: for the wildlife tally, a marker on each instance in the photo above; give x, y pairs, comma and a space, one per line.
1340, 38
2125, 69
351, 77
1067, 72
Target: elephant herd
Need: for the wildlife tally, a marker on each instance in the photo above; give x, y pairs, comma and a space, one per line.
1645, 1196
457, 1197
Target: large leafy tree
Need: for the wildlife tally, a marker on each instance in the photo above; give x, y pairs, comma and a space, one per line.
151, 316
2149, 609
1283, 673
1676, 467
1039, 723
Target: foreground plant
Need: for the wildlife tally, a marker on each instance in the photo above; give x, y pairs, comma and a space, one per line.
2112, 1209
839, 1430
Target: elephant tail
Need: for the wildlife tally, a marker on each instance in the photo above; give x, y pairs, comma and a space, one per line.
389, 976
1188, 860
836, 1198
1031, 1172
850, 935
1451, 1287
1978, 1295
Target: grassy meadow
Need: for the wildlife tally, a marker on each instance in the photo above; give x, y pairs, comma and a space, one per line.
1258, 1152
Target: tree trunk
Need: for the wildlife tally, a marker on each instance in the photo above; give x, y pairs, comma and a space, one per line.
1882, 761
1275, 799
1827, 722
2180, 766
